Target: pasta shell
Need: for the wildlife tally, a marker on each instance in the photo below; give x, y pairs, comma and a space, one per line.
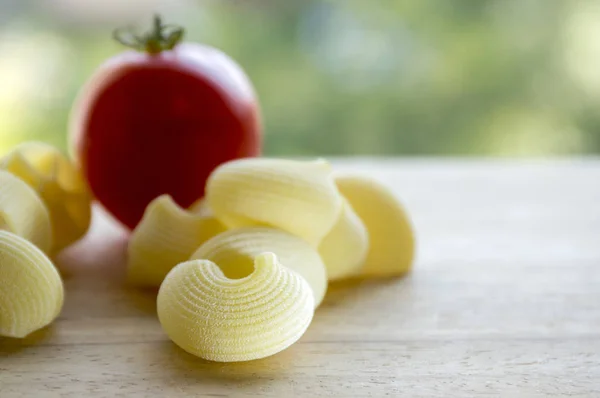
23, 213
58, 183
166, 236
201, 208
299, 197
31, 291
392, 243
236, 250
230, 320
345, 248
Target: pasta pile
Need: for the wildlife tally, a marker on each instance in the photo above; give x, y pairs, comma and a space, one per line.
242, 271
56, 180
44, 207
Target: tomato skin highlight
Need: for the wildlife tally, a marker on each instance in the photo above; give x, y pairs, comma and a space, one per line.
147, 125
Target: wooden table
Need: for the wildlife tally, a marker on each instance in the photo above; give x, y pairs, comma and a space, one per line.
504, 301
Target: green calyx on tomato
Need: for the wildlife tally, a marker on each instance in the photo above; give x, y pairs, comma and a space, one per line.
160, 38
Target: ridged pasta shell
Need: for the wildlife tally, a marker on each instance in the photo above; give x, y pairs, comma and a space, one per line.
56, 180
166, 236
392, 243
230, 320
23, 213
235, 251
345, 248
299, 197
31, 291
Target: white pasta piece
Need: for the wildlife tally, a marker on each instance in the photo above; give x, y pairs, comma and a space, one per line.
201, 207
299, 197
235, 250
166, 236
229, 320
392, 242
56, 180
31, 291
23, 213
345, 248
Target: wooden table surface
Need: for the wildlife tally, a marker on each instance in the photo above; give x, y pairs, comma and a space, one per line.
504, 301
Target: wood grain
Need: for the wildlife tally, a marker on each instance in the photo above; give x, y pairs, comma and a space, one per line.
504, 301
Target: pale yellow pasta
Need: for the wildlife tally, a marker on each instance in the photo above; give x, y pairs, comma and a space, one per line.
392, 242
230, 320
299, 197
345, 248
236, 249
31, 291
23, 213
201, 207
166, 236
54, 177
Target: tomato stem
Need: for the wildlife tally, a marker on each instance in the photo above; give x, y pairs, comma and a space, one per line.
160, 38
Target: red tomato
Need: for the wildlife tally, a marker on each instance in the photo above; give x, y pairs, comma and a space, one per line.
160, 120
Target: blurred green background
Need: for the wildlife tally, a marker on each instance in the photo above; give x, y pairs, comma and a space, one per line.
422, 77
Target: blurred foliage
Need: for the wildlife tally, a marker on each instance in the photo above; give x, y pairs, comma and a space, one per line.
461, 77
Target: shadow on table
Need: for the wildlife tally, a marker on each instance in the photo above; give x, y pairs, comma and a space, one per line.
348, 291
10, 346
183, 366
